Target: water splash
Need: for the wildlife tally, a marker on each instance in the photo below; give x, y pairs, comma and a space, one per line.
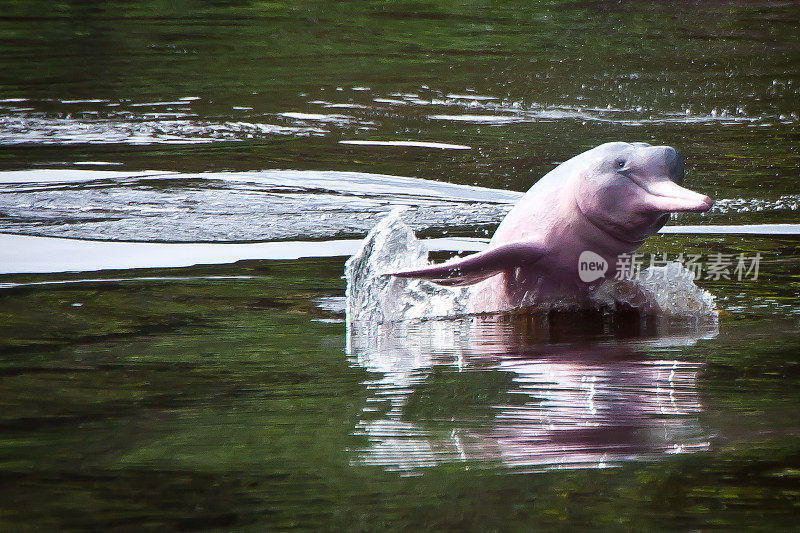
790, 202
667, 290
391, 246
374, 297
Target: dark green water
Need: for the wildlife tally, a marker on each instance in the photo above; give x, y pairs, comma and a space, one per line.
225, 397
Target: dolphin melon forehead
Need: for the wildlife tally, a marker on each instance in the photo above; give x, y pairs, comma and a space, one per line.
612, 149
555, 177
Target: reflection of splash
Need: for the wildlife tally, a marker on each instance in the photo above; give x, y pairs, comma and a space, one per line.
565, 405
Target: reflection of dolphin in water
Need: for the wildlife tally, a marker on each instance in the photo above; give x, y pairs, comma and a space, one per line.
590, 401
583, 414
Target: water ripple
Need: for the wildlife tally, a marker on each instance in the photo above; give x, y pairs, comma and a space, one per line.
269, 205
98, 120
239, 206
150, 128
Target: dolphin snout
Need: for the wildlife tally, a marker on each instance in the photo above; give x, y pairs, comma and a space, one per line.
668, 196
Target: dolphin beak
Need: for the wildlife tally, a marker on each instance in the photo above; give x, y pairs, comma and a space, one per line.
668, 196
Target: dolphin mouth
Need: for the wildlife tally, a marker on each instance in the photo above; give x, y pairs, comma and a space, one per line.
668, 196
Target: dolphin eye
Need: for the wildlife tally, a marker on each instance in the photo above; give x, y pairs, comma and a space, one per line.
620, 163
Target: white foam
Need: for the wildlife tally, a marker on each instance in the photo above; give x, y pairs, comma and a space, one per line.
416, 144
735, 229
667, 290
87, 101
479, 119
33, 254
158, 104
27, 254
317, 117
63, 175
389, 101
471, 97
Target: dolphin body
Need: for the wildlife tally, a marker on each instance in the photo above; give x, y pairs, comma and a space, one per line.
607, 201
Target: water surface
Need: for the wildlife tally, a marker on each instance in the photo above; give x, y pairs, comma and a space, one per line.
144, 388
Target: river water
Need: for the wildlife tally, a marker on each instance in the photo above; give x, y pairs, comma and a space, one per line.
182, 182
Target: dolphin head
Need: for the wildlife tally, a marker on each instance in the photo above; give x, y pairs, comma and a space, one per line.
629, 190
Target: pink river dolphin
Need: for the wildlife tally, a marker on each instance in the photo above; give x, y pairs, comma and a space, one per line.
581, 216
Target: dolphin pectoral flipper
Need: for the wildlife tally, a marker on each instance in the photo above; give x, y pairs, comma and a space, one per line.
480, 266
